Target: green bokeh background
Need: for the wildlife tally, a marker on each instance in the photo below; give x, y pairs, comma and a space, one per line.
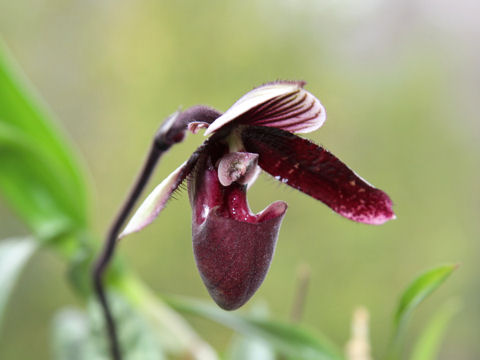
400, 82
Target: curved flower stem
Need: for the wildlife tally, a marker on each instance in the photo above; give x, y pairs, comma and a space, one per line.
172, 131
109, 248
169, 133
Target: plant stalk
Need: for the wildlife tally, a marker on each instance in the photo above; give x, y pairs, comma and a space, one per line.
172, 131
109, 247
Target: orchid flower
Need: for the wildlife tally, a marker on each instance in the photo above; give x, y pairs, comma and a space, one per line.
233, 247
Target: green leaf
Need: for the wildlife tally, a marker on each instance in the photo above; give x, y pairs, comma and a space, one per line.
430, 340
14, 254
72, 338
415, 293
171, 330
137, 338
39, 175
80, 336
243, 347
290, 340
419, 289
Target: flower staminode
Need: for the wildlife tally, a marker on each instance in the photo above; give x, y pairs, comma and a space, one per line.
233, 247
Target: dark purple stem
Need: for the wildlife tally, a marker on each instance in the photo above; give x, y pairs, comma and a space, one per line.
109, 247
172, 131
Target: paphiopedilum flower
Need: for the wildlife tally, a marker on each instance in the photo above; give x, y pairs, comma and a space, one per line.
233, 247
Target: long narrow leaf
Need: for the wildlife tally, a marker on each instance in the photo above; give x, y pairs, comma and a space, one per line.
429, 342
416, 292
290, 340
419, 289
14, 254
39, 176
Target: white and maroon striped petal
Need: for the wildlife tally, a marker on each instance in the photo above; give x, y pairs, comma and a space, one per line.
315, 171
283, 104
156, 201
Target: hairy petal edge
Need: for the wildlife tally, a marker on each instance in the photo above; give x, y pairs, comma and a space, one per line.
313, 170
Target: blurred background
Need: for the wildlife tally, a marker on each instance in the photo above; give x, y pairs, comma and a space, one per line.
400, 81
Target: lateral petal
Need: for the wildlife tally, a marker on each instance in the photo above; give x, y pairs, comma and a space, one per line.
283, 104
313, 170
157, 199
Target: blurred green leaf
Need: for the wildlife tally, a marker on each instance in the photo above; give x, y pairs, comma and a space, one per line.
39, 176
415, 293
171, 330
71, 337
14, 254
137, 338
80, 336
419, 289
290, 340
248, 347
243, 347
429, 342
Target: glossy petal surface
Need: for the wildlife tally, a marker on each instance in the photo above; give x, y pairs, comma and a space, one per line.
315, 171
233, 257
233, 247
285, 105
